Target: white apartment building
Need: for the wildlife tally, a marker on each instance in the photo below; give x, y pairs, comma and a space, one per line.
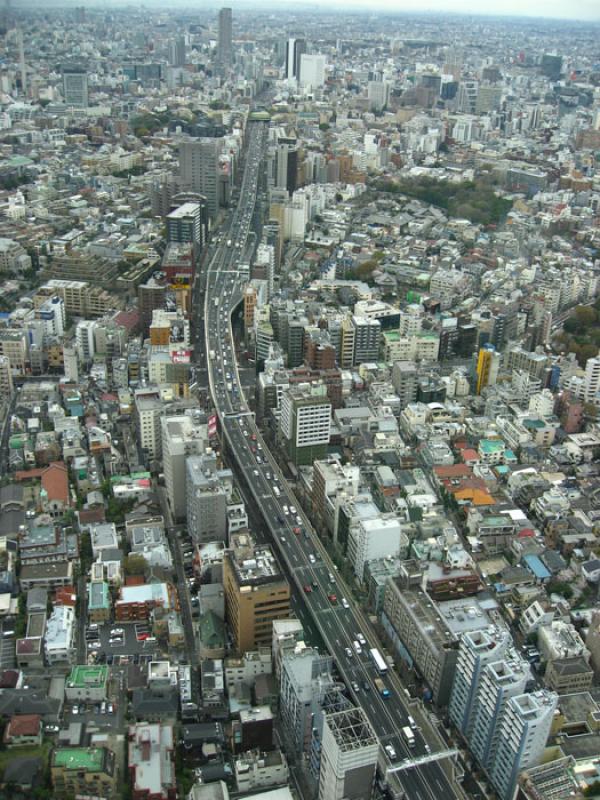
523, 733
59, 640
312, 70
373, 538
85, 340
181, 436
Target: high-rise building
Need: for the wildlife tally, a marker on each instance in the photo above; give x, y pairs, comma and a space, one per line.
177, 52
182, 436
185, 224
591, 379
294, 50
6, 381
256, 592
312, 70
305, 422
75, 86
207, 489
477, 649
199, 169
348, 757
522, 736
148, 409
488, 364
225, 48
367, 333
378, 94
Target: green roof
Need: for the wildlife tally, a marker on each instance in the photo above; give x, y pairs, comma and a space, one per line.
212, 630
90, 759
82, 676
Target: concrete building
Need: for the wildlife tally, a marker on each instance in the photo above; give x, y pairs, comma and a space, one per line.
256, 592
148, 410
294, 50
182, 436
224, 45
349, 756
150, 761
75, 86
312, 70
84, 772
188, 223
260, 770
421, 636
87, 684
199, 169
331, 482
207, 491
6, 380
59, 642
305, 422
477, 649
522, 736
374, 538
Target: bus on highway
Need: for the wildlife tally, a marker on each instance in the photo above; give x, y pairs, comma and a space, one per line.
409, 736
379, 661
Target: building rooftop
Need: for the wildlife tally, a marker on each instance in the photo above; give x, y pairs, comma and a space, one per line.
90, 759
87, 677
351, 729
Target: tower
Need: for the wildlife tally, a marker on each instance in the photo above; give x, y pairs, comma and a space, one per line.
199, 169
225, 49
293, 54
75, 86
348, 757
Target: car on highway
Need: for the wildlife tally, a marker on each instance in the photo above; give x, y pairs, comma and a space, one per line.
315, 585
332, 598
355, 686
296, 531
361, 639
293, 510
357, 647
331, 578
311, 558
391, 753
117, 632
348, 652
308, 589
345, 603
366, 686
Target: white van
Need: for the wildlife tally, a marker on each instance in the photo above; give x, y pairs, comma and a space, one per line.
357, 648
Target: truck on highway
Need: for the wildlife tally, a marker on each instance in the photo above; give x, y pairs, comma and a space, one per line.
229, 386
211, 355
381, 688
409, 736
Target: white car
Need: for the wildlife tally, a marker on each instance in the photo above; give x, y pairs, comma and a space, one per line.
311, 558
348, 652
117, 632
361, 639
345, 603
390, 752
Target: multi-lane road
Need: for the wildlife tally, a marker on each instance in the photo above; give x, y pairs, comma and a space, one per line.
327, 598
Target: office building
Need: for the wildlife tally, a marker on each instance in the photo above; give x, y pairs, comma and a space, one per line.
522, 736
75, 86
225, 47
188, 224
148, 410
151, 295
488, 364
415, 626
312, 70
378, 95
374, 538
367, 333
199, 169
85, 340
294, 50
305, 422
6, 380
256, 592
207, 490
182, 436
84, 772
177, 52
305, 680
348, 757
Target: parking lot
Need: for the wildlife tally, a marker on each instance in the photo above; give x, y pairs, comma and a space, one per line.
119, 643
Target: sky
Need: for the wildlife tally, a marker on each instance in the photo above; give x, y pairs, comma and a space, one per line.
562, 9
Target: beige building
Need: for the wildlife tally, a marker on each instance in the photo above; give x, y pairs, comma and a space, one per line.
6, 381
84, 771
256, 592
569, 675
80, 298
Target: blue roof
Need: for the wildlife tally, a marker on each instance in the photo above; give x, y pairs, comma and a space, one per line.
535, 565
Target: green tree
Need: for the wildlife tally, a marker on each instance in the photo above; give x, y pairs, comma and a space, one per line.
135, 564
560, 587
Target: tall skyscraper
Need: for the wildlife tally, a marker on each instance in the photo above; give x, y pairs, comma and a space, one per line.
177, 52
293, 53
75, 85
312, 70
199, 169
225, 49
